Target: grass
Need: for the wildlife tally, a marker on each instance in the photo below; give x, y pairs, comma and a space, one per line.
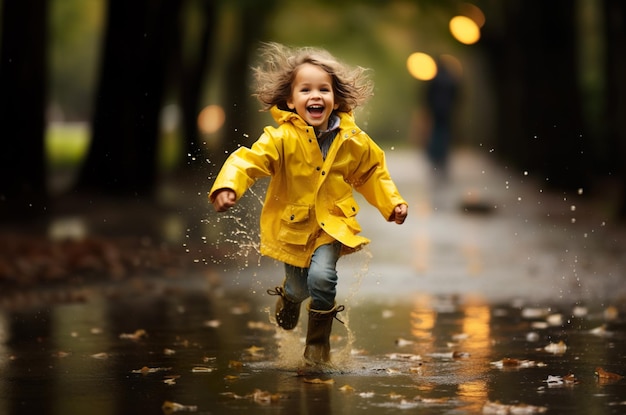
66, 146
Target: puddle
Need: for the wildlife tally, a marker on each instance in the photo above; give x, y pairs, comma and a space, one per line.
126, 352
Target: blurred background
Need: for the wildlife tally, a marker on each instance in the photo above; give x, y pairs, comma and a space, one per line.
111, 99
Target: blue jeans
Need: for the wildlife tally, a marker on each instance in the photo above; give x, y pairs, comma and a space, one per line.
318, 281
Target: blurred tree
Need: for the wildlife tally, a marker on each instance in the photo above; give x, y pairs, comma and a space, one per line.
22, 100
532, 50
193, 70
139, 39
615, 24
252, 17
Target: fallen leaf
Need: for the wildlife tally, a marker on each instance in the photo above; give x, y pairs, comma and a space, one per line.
319, 381
145, 370
609, 376
212, 323
346, 388
137, 335
100, 356
235, 364
533, 313
202, 369
170, 407
496, 408
511, 363
254, 350
556, 348
61, 354
400, 342
601, 331
264, 397
404, 356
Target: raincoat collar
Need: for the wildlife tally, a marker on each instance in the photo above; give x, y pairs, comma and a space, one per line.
346, 119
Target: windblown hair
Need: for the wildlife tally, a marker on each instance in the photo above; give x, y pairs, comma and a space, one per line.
279, 65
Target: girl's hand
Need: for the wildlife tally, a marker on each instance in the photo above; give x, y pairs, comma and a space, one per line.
399, 214
224, 200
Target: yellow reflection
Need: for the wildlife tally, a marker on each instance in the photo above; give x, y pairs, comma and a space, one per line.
422, 318
211, 119
465, 30
473, 12
421, 66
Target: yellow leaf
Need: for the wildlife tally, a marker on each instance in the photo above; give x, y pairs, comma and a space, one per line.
320, 381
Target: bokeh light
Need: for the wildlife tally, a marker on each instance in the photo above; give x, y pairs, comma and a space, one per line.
421, 66
211, 119
465, 30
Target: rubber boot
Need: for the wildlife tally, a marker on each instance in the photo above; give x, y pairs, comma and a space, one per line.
287, 311
317, 349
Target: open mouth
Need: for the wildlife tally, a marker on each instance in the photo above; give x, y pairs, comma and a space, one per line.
316, 109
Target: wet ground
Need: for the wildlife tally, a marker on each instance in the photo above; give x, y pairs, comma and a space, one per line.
495, 297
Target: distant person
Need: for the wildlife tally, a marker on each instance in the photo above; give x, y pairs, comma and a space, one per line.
441, 98
315, 158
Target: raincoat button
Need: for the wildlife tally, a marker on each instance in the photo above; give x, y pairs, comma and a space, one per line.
323, 173
347, 135
353, 131
318, 168
292, 217
353, 209
322, 224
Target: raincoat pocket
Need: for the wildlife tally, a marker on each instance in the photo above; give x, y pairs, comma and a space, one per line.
294, 226
348, 208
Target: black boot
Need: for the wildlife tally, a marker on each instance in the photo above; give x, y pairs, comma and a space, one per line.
317, 348
287, 311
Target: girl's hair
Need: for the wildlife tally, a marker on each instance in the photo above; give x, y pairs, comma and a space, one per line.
274, 76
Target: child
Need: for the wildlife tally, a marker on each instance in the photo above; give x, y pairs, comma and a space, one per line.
315, 157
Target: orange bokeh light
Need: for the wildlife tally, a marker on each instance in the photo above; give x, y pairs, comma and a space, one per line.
465, 30
211, 119
421, 66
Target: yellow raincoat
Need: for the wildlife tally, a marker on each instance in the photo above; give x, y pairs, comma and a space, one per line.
309, 200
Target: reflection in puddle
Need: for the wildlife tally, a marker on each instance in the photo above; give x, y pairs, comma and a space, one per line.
205, 353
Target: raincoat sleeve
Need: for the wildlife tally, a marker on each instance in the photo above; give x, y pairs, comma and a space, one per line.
243, 167
373, 181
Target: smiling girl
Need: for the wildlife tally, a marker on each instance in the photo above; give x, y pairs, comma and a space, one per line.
315, 158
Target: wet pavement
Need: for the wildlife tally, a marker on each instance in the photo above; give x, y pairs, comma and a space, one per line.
496, 296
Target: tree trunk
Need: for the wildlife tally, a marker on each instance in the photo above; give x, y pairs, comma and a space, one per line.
122, 158
238, 99
615, 18
193, 75
534, 61
22, 107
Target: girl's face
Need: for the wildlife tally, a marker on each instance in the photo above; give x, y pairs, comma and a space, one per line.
312, 96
